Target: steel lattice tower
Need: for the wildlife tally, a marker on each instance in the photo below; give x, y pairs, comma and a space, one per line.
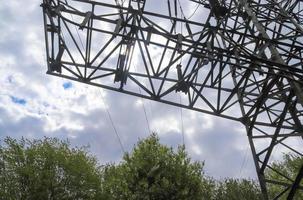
242, 61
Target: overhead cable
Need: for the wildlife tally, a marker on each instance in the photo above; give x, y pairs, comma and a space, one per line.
112, 122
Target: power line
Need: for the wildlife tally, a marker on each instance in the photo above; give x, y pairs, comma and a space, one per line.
193, 12
107, 110
108, 113
244, 161
191, 15
145, 113
181, 110
78, 34
76, 30
112, 122
182, 123
164, 74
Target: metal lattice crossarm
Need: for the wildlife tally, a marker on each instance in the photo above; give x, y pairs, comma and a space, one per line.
241, 61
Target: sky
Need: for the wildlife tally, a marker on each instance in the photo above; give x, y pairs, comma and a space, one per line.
35, 105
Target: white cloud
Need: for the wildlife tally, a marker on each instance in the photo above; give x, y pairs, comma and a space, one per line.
166, 124
79, 112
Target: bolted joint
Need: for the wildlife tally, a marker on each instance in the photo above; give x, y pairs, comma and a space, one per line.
84, 79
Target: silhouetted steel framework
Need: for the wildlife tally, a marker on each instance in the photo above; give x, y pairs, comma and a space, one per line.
241, 61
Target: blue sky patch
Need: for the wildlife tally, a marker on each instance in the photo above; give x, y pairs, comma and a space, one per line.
17, 100
67, 85
10, 78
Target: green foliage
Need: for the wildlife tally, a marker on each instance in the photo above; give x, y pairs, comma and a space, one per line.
233, 189
46, 169
51, 169
290, 166
154, 171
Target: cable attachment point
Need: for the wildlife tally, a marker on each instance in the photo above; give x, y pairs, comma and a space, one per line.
55, 65
182, 85
85, 20
118, 26
179, 42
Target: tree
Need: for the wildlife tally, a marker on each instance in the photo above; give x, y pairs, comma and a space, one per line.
234, 189
154, 171
51, 169
289, 165
47, 169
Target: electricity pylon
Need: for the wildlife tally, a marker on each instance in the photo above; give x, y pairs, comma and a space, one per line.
242, 61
